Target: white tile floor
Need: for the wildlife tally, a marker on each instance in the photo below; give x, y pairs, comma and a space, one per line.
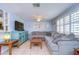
25, 50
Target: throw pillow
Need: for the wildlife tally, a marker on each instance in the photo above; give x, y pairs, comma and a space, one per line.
56, 39
71, 36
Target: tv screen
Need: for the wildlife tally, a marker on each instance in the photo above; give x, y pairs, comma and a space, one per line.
19, 26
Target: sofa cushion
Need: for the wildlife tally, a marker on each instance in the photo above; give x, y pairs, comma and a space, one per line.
68, 37
56, 39
55, 35
54, 47
64, 38
49, 38
71, 36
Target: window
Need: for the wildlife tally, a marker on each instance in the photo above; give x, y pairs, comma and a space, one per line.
58, 26
67, 24
75, 23
61, 25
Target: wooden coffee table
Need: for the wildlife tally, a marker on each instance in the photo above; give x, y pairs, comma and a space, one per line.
9, 44
37, 41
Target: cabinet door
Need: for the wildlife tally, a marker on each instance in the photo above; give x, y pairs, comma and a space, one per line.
24, 38
14, 35
26, 35
20, 37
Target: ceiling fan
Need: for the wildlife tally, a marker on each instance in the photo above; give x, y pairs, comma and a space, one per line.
37, 17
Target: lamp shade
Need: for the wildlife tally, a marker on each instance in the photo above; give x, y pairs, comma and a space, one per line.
7, 36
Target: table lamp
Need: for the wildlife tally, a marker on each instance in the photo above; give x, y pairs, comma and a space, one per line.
6, 37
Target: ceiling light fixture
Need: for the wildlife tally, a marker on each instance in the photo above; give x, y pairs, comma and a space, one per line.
37, 15
38, 18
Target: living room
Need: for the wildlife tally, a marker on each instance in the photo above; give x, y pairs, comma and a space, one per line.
39, 29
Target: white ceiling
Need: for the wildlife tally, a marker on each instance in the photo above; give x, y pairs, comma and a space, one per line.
47, 10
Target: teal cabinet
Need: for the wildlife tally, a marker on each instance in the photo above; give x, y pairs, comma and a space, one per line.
21, 35
14, 35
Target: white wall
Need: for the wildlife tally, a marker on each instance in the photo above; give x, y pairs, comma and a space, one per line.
37, 26
12, 21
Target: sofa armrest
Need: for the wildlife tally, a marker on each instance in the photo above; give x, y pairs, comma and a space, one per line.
76, 39
54, 47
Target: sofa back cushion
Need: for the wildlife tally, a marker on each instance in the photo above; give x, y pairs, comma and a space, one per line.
61, 37
55, 41
52, 34
71, 36
55, 35
49, 38
68, 37
57, 38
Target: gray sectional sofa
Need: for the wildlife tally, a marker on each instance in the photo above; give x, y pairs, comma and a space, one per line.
61, 44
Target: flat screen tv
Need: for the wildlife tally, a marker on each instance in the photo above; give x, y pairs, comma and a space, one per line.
19, 26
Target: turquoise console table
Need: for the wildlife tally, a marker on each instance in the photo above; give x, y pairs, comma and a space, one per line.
21, 35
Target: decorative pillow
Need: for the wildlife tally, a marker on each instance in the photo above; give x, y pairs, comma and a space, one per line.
56, 35
68, 37
64, 38
76, 39
58, 38
62, 35
52, 34
49, 38
71, 36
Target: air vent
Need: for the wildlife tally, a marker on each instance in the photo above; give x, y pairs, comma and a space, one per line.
36, 4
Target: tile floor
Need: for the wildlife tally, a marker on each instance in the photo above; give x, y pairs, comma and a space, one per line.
25, 50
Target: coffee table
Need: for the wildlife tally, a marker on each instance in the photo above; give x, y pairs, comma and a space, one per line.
37, 41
